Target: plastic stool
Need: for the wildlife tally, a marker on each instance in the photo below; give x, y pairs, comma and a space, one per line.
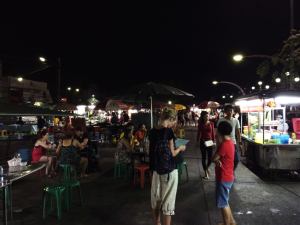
181, 133
57, 191
67, 171
7, 197
179, 168
118, 167
142, 168
39, 172
69, 185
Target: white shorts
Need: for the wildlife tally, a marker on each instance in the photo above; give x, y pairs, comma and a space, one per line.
163, 193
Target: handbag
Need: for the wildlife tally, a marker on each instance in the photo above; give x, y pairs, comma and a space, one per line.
210, 142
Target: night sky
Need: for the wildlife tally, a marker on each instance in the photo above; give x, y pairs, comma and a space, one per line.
117, 45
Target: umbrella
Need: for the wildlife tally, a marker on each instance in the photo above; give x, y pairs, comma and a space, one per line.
152, 92
209, 104
111, 105
179, 107
159, 105
65, 106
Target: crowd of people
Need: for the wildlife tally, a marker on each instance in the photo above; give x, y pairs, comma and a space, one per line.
165, 180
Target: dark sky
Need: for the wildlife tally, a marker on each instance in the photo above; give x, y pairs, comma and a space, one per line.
119, 44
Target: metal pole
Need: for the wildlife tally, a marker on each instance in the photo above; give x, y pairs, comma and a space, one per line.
151, 112
292, 79
58, 82
226, 82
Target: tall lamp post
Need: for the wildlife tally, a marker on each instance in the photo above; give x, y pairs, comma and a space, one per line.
226, 82
58, 75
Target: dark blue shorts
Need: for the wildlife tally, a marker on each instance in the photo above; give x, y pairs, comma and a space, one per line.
222, 193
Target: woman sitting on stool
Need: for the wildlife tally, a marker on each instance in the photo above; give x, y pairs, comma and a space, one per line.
69, 154
39, 153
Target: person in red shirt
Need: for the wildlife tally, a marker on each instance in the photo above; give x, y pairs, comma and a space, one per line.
140, 135
39, 154
207, 133
224, 160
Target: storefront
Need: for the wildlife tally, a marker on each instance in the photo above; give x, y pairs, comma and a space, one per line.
266, 141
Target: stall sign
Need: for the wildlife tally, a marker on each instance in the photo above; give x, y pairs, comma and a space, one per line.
258, 108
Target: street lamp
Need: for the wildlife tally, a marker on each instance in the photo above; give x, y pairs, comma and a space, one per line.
226, 82
238, 57
77, 89
259, 83
58, 76
20, 79
69, 88
277, 80
223, 96
231, 96
297, 79
267, 86
170, 102
253, 87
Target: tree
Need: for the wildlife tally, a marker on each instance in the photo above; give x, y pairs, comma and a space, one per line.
288, 57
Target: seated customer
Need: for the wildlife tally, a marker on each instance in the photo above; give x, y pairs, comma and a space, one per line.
39, 154
124, 146
140, 135
83, 138
69, 154
128, 126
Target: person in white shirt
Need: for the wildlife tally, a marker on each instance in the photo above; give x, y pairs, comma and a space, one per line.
235, 135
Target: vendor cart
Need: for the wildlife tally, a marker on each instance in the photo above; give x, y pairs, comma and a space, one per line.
265, 140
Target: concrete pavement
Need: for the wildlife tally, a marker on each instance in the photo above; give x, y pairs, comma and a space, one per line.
253, 200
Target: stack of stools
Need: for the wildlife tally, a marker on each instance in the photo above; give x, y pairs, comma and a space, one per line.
181, 133
142, 168
121, 167
69, 184
179, 168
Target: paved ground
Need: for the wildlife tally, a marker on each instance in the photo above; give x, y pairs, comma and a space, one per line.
253, 200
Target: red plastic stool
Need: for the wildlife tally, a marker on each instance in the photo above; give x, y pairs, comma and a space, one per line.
142, 168
39, 172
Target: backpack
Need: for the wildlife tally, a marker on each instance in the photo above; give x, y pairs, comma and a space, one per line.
164, 160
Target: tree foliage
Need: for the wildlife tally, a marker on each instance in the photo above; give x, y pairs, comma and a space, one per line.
285, 58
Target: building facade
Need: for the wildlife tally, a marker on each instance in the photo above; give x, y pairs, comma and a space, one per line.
17, 91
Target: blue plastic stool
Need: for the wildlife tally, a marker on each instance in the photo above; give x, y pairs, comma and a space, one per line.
25, 154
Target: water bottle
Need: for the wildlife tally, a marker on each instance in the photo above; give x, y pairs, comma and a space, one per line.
145, 144
51, 144
1, 173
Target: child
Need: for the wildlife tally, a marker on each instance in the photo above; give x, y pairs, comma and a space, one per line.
224, 160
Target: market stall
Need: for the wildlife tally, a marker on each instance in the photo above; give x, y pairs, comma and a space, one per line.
266, 141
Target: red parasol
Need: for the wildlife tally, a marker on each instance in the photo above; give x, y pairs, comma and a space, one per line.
111, 105
209, 104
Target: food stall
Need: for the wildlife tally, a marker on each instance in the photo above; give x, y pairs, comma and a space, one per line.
266, 142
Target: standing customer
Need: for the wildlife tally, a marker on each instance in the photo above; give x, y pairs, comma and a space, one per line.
223, 158
164, 187
235, 124
206, 132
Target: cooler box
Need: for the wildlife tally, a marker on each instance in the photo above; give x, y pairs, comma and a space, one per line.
296, 127
25, 154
